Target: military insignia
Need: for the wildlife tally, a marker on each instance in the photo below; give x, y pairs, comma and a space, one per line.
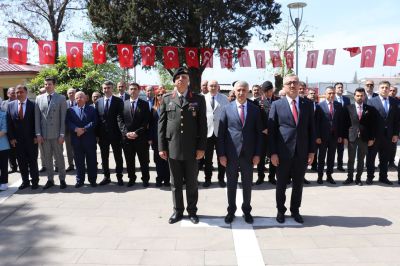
193, 107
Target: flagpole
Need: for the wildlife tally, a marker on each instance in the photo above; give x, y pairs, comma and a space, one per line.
296, 23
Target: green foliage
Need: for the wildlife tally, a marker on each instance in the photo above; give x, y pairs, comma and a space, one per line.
88, 78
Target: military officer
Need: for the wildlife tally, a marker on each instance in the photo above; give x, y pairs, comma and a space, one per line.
182, 137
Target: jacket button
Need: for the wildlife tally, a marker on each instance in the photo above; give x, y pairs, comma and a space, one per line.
181, 131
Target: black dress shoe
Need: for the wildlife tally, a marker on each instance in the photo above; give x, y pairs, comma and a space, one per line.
222, 183
43, 169
146, 184
359, 182
341, 169
131, 183
78, 185
158, 183
120, 182
272, 180
70, 168
176, 217
56, 169
298, 218
398, 182
392, 165
386, 181
194, 218
48, 185
369, 181
330, 180
105, 181
93, 184
229, 218
167, 184
349, 180
306, 181
35, 186
248, 218
23, 186
280, 217
12, 170
63, 185
207, 183
259, 181
320, 181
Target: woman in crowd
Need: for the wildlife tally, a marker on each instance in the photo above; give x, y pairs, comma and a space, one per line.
4, 149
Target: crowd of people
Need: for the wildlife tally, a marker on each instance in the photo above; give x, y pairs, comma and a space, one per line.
288, 133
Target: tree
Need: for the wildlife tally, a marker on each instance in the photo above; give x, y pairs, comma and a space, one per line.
29, 17
88, 78
197, 23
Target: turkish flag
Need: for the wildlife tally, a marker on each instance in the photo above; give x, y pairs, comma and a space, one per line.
225, 56
99, 53
47, 52
391, 52
207, 57
192, 59
244, 58
353, 50
259, 55
312, 59
329, 57
368, 56
148, 53
275, 58
125, 55
74, 54
289, 59
171, 57
17, 51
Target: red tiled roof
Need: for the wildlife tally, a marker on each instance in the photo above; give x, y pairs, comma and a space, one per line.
6, 67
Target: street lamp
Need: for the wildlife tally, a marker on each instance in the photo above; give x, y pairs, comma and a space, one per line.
296, 23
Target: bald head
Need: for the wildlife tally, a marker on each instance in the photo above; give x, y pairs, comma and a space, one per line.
213, 87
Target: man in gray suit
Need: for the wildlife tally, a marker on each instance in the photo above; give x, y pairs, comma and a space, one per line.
50, 111
70, 151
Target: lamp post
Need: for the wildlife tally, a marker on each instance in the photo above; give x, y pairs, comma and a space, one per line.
296, 23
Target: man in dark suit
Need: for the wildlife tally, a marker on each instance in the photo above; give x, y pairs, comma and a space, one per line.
265, 103
108, 108
12, 155
70, 151
387, 131
369, 89
122, 94
182, 135
21, 133
239, 147
393, 94
329, 133
81, 121
291, 144
344, 101
134, 125
359, 134
312, 96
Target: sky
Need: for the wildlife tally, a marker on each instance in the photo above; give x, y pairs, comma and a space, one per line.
334, 24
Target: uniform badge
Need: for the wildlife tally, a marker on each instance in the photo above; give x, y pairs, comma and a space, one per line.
193, 108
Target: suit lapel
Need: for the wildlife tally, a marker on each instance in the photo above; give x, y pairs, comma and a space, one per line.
100, 106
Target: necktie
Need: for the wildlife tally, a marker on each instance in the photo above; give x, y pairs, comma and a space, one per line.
133, 108
106, 107
241, 113
331, 109
122, 97
81, 113
386, 105
359, 112
48, 99
294, 111
213, 102
21, 111
181, 99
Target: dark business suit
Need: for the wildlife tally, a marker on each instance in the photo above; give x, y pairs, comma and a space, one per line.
239, 144
358, 132
23, 131
85, 145
317, 110
109, 133
68, 145
344, 101
125, 97
182, 129
394, 145
292, 143
330, 128
136, 121
387, 126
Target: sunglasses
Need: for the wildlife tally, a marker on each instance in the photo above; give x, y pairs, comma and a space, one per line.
160, 94
369, 85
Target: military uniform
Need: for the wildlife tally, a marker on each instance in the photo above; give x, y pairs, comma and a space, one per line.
182, 130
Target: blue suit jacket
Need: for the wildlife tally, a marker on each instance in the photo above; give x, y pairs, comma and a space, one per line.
285, 137
21, 130
89, 121
233, 138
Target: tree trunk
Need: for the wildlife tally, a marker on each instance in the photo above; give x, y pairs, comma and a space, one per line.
195, 79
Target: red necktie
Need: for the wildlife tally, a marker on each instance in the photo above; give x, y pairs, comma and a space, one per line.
294, 111
242, 114
20, 111
331, 109
359, 112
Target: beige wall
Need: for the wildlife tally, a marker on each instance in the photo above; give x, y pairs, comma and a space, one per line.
7, 81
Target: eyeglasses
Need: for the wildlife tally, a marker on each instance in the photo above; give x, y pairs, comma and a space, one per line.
290, 83
160, 95
369, 85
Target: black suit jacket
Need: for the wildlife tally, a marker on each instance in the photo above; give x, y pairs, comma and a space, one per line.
265, 106
107, 124
138, 123
354, 127
21, 130
328, 126
386, 126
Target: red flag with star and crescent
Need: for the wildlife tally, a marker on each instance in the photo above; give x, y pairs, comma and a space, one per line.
17, 51
99, 53
289, 59
74, 54
171, 57
47, 52
207, 59
125, 55
329, 57
148, 53
192, 59
275, 58
244, 58
391, 53
225, 58
259, 56
368, 56
312, 59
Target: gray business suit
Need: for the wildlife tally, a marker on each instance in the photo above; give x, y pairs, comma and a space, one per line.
50, 124
68, 146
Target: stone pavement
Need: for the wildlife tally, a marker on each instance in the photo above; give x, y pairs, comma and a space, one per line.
111, 225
